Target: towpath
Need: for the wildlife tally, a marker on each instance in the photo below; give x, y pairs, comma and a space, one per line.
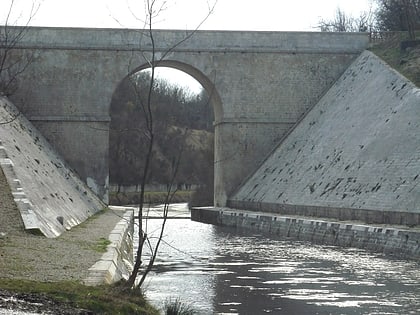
67, 257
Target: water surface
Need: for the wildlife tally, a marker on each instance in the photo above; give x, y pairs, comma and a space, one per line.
222, 271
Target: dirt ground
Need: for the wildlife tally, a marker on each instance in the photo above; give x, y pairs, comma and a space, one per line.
32, 257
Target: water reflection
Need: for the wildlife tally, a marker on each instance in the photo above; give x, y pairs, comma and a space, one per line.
221, 271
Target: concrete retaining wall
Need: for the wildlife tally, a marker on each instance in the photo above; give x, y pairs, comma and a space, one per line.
260, 84
369, 216
390, 240
50, 195
354, 156
117, 262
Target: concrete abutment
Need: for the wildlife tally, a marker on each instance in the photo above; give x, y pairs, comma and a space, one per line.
262, 81
354, 156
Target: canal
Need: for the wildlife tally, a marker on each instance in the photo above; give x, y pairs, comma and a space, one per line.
218, 270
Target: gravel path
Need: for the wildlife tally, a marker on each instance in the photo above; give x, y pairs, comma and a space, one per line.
31, 257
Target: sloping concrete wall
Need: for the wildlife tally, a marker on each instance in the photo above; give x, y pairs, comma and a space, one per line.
355, 155
49, 195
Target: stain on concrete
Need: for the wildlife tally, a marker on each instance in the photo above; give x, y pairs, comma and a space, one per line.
40, 179
363, 152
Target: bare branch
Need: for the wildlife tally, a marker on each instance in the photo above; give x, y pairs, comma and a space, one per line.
11, 119
153, 8
13, 65
191, 34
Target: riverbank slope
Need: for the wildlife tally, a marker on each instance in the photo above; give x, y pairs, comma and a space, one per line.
50, 271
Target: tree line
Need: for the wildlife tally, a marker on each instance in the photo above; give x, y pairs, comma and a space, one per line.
390, 15
182, 122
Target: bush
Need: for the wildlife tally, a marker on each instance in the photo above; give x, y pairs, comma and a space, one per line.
176, 307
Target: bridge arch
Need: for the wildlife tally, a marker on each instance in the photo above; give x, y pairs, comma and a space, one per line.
265, 82
212, 102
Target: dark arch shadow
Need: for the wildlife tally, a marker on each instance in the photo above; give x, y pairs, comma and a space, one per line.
214, 99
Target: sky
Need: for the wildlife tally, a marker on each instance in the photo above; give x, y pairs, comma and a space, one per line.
261, 15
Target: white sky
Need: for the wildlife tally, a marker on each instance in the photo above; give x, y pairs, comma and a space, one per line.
272, 15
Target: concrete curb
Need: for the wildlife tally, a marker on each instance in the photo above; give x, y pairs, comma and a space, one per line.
117, 262
390, 240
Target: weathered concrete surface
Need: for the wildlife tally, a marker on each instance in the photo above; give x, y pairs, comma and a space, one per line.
397, 241
356, 154
117, 262
260, 83
50, 196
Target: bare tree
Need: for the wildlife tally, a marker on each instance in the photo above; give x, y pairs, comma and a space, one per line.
153, 9
343, 22
174, 109
12, 64
398, 15
412, 16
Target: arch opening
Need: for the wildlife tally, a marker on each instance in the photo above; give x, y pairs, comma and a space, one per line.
182, 115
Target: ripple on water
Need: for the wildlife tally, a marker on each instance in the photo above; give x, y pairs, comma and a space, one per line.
222, 271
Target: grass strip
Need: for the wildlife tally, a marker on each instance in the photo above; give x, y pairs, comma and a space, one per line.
98, 299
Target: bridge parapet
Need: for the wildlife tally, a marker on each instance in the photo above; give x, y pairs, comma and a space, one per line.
201, 40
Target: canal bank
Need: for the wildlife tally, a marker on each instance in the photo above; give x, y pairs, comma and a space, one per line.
396, 241
222, 270
117, 261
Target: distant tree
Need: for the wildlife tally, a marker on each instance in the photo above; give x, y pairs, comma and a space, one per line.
174, 110
398, 15
343, 22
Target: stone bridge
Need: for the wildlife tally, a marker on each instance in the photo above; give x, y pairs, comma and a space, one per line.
261, 84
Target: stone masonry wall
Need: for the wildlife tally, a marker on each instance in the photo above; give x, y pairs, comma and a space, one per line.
260, 83
355, 155
392, 241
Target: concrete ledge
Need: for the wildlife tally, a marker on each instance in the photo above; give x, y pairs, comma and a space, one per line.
204, 40
117, 262
342, 214
391, 240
